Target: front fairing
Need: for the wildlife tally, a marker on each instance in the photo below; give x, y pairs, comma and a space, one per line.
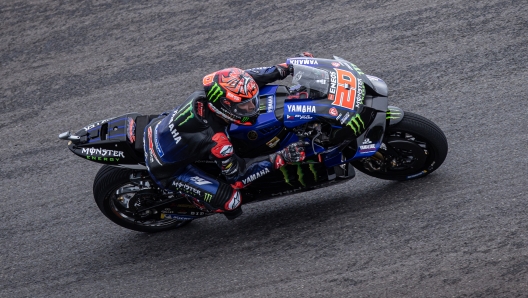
328, 91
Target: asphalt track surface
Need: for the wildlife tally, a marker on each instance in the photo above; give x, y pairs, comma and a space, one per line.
460, 232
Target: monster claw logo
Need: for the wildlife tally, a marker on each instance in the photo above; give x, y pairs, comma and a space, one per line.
207, 197
300, 174
187, 109
393, 114
215, 93
245, 119
356, 123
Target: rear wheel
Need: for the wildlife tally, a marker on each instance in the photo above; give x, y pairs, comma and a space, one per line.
412, 148
131, 206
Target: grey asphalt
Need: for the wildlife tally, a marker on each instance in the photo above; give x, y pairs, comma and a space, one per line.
460, 232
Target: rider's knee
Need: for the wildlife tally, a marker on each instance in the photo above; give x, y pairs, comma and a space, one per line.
226, 198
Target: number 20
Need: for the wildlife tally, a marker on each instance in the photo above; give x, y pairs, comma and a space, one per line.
345, 95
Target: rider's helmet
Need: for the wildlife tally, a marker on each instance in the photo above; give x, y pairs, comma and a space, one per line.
233, 95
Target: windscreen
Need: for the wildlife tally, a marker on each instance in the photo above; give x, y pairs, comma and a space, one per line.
312, 80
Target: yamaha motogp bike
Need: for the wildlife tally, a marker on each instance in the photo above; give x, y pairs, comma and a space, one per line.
340, 111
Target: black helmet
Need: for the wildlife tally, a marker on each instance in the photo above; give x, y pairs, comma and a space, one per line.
233, 95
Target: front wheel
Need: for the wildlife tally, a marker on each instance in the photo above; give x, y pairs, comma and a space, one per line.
412, 148
130, 206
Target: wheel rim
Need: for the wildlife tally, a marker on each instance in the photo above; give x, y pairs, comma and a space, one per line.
124, 206
402, 154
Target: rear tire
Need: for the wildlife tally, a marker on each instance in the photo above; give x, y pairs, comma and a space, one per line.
110, 179
413, 148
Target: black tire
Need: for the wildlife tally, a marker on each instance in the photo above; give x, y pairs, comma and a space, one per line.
413, 148
107, 181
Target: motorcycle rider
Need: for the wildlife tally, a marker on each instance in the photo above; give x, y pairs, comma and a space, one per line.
197, 130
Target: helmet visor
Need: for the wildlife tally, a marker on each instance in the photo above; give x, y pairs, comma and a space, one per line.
246, 108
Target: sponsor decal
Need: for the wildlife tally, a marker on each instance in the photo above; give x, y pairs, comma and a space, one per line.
290, 117
300, 174
186, 110
174, 216
301, 109
332, 111
339, 117
188, 189
270, 104
342, 89
152, 155
393, 114
200, 180
304, 117
356, 124
208, 197
102, 152
232, 96
333, 85
90, 126
172, 128
360, 94
215, 93
174, 132
244, 119
200, 109
304, 61
156, 141
103, 159
345, 118
367, 141
335, 64
367, 148
252, 135
255, 176
131, 132
273, 142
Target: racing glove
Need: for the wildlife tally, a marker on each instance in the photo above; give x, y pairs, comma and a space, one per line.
292, 153
305, 54
285, 70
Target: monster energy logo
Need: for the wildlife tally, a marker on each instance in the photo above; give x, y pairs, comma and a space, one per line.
187, 109
245, 119
215, 93
208, 197
356, 123
300, 174
393, 114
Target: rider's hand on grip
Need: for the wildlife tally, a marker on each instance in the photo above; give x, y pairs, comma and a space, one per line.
292, 153
305, 54
285, 70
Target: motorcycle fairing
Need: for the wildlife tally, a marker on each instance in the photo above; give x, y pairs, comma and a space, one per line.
108, 141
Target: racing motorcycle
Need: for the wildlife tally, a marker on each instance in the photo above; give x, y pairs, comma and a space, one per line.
340, 111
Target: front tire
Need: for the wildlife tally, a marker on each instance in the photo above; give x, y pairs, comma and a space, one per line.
412, 148
120, 208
